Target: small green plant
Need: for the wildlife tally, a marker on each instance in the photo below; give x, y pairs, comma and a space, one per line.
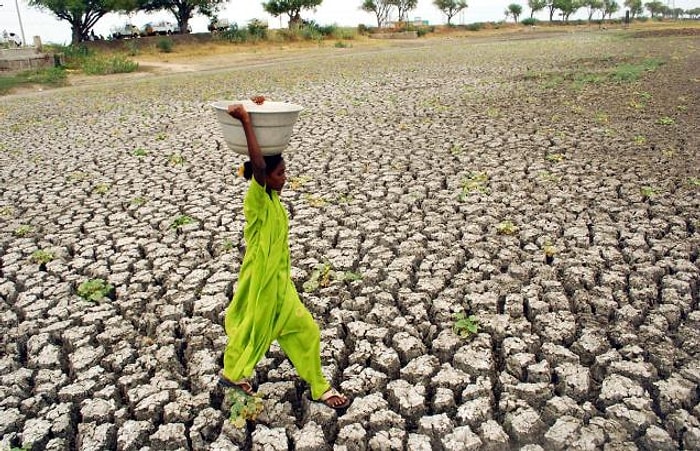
181, 221
475, 182
456, 149
341, 45
101, 188
321, 277
228, 245
555, 157
694, 181
244, 407
41, 257
315, 201
95, 290
140, 152
297, 182
640, 140
78, 176
665, 120
161, 136
7, 211
506, 228
465, 325
23, 230
138, 201
648, 192
549, 252
176, 159
547, 176
602, 118
324, 274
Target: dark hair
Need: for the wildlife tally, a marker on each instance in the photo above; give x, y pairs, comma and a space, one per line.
271, 162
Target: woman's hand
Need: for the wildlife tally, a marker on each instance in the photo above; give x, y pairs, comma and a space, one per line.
238, 111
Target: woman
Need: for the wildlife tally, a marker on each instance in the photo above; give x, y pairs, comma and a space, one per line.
266, 306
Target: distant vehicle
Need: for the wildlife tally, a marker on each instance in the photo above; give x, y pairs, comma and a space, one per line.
219, 25
125, 31
159, 28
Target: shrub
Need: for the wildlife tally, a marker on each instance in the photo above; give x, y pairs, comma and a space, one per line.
529, 21
475, 26
165, 45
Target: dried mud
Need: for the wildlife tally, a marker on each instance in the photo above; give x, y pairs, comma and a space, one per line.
440, 174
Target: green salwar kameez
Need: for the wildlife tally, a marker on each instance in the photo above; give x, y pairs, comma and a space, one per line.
266, 306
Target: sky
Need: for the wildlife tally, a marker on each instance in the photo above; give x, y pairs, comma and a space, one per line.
42, 23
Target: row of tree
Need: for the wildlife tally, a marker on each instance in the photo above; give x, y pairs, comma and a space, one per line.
83, 15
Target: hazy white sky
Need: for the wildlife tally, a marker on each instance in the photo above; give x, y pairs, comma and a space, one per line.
342, 12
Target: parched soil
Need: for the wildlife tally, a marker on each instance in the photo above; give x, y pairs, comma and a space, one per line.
545, 186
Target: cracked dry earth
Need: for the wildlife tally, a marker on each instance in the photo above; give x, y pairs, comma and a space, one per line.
439, 174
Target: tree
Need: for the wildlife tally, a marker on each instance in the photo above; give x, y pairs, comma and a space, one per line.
609, 8
655, 7
450, 8
514, 10
183, 10
635, 7
82, 15
380, 8
593, 6
403, 7
292, 8
567, 7
551, 5
536, 5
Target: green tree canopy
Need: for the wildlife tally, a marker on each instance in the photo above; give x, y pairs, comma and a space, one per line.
567, 7
403, 7
610, 7
82, 15
592, 6
183, 10
514, 10
292, 8
655, 8
380, 8
450, 8
536, 5
635, 7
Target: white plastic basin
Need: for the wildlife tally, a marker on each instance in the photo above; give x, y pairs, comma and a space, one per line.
272, 122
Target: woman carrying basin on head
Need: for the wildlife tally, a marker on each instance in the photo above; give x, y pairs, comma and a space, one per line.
266, 306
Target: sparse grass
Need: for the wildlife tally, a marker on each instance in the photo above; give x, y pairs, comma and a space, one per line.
324, 274
632, 72
53, 77
181, 221
140, 152
665, 120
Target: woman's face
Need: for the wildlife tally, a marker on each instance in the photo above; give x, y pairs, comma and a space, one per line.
278, 177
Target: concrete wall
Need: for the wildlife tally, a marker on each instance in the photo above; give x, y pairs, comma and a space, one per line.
27, 58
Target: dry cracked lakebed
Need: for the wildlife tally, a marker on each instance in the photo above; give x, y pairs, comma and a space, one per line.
548, 187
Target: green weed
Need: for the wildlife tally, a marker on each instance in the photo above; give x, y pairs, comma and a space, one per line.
244, 407
95, 290
181, 221
466, 325
506, 228
22, 231
41, 257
